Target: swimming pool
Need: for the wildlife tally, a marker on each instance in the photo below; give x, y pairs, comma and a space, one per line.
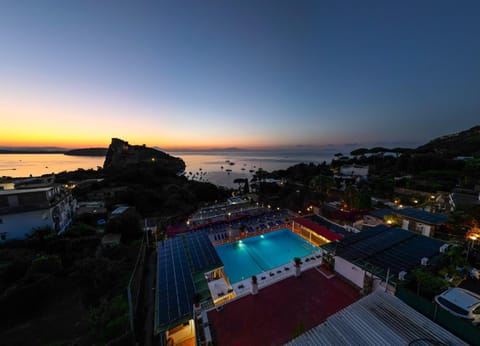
252, 256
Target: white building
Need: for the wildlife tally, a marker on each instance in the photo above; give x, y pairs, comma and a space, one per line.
355, 171
22, 210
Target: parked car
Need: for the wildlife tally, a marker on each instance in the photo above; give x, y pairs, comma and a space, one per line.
475, 274
461, 303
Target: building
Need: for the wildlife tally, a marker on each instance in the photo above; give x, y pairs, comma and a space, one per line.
188, 266
315, 232
22, 210
352, 173
375, 218
377, 319
420, 221
377, 257
463, 199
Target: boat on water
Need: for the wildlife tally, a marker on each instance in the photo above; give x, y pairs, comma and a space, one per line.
243, 168
251, 170
231, 163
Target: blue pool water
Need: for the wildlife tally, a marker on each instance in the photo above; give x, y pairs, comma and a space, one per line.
252, 256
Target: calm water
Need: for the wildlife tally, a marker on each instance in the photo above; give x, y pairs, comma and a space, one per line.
24, 165
258, 254
204, 166
212, 166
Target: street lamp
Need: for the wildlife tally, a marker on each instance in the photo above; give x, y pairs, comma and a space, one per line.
473, 238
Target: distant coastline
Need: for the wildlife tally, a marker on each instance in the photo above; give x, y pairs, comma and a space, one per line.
74, 152
87, 152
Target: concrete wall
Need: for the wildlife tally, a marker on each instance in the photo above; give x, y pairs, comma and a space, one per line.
18, 226
350, 271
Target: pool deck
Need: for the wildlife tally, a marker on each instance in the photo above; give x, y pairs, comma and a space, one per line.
273, 315
277, 274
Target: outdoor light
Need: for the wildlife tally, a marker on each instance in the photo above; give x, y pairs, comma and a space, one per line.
262, 236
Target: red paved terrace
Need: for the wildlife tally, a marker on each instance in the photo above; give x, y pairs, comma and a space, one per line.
274, 315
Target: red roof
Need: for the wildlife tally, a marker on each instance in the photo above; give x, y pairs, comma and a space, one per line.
324, 232
277, 312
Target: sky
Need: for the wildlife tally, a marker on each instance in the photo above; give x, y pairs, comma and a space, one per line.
248, 74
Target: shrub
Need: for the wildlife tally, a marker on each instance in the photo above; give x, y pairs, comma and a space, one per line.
46, 264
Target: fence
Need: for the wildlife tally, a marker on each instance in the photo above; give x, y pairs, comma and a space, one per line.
134, 287
455, 325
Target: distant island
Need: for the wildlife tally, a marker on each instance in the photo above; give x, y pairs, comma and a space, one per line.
87, 152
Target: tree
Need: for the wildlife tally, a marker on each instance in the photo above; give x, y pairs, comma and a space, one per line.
322, 184
127, 224
41, 233
359, 152
364, 199
428, 284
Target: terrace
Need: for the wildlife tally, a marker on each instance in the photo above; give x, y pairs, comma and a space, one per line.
276, 313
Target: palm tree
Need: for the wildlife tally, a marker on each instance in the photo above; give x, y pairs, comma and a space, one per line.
254, 285
297, 262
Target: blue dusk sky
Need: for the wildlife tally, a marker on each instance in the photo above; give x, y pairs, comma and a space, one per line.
249, 74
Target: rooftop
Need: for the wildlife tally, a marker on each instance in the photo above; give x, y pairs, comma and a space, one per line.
182, 261
381, 213
321, 230
377, 319
21, 191
274, 315
387, 248
120, 210
423, 216
327, 224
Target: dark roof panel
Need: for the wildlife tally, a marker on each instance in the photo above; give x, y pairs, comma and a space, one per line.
179, 259
381, 213
423, 216
387, 248
175, 285
204, 256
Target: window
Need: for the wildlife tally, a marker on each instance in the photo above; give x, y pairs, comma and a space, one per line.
452, 306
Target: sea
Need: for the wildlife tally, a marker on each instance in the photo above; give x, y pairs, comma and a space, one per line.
218, 167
